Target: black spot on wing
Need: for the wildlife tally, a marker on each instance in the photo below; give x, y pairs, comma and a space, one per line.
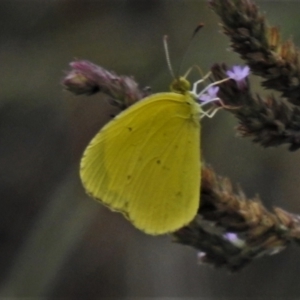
178, 194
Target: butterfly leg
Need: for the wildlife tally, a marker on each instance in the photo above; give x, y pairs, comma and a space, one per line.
223, 105
211, 100
210, 112
195, 85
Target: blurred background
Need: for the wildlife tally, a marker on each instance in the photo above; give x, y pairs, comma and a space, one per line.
57, 242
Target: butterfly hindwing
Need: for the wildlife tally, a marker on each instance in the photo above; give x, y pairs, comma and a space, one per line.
146, 163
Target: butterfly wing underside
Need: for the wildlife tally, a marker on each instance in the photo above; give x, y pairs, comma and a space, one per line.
146, 163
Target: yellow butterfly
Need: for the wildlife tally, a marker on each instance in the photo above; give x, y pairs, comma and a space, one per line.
146, 162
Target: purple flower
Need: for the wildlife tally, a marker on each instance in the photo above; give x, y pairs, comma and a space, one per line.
83, 78
234, 239
202, 257
210, 95
239, 75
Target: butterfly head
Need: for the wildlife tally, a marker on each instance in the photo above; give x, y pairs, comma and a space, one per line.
180, 85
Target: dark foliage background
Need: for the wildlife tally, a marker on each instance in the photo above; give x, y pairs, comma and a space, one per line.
57, 242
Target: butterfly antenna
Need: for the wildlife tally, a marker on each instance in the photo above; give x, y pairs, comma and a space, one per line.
199, 26
168, 56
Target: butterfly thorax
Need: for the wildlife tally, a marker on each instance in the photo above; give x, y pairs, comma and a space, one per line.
180, 85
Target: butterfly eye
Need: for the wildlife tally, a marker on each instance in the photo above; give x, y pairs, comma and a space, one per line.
180, 85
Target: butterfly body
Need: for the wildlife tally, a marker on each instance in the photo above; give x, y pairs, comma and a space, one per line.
146, 163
